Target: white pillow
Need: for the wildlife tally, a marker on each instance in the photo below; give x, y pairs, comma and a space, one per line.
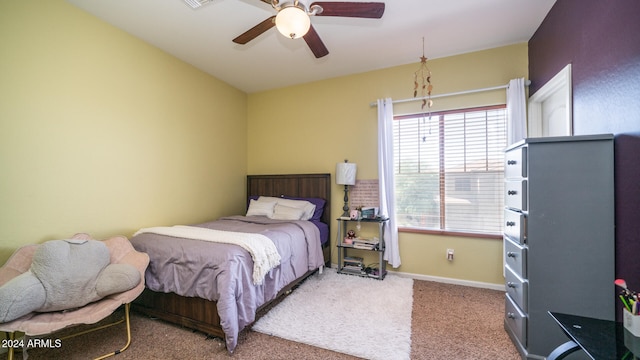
281, 212
308, 207
260, 208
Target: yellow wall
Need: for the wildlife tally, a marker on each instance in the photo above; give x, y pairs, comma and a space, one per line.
103, 133
311, 127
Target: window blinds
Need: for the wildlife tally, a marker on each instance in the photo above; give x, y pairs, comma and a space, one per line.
449, 170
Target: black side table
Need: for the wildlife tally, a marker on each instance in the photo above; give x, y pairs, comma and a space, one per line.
600, 339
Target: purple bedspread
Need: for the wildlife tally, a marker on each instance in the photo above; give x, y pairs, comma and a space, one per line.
223, 272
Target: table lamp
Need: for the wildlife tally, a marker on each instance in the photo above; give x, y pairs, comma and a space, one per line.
346, 175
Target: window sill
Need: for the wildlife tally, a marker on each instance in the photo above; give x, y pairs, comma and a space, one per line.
450, 233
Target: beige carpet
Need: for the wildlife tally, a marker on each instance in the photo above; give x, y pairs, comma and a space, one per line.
448, 322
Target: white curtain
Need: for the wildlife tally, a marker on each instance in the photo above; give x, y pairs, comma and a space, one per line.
516, 111
386, 180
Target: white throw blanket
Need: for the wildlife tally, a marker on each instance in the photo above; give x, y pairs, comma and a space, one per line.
263, 251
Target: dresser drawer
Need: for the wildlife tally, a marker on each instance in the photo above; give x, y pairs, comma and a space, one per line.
517, 288
515, 194
515, 257
515, 163
515, 320
515, 226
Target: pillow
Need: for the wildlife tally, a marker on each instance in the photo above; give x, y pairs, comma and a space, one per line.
260, 208
65, 274
282, 212
318, 202
307, 207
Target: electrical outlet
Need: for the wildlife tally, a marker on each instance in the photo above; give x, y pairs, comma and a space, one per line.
450, 254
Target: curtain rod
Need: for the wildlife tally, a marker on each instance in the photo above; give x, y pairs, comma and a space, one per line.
526, 83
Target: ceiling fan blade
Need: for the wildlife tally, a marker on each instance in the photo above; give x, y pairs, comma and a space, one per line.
255, 31
371, 10
315, 43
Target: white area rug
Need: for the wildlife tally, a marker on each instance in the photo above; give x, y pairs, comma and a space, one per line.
358, 316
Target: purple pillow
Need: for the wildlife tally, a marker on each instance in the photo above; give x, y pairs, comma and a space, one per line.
319, 203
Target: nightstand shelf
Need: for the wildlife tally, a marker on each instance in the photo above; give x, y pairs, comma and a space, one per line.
354, 265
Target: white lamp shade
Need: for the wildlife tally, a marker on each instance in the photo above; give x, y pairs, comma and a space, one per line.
293, 22
346, 173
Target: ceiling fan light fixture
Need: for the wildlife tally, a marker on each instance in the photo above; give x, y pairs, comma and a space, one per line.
293, 22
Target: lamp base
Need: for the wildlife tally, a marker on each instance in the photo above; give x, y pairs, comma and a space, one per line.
345, 208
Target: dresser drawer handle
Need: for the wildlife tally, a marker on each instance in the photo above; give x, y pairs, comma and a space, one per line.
512, 192
511, 223
511, 285
511, 254
511, 315
511, 162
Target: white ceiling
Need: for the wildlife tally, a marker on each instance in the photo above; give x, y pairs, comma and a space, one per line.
202, 37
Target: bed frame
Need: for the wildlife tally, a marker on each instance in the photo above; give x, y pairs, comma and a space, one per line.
201, 314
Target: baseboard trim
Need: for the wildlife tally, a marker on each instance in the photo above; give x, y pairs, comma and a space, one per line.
476, 284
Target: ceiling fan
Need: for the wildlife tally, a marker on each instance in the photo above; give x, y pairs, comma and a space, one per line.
293, 20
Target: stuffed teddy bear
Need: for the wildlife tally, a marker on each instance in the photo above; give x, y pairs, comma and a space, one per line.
65, 274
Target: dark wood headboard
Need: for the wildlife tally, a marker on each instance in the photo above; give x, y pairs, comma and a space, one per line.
296, 185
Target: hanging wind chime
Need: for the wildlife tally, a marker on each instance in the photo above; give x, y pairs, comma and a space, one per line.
422, 82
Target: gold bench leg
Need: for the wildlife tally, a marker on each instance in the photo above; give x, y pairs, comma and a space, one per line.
128, 323
11, 335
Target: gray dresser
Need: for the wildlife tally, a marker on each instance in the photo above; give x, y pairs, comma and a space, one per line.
558, 237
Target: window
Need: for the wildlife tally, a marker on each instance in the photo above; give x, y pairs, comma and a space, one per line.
449, 170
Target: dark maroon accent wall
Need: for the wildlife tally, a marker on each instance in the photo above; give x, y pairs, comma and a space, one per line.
601, 39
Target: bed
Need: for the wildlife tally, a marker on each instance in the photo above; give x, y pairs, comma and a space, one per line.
208, 297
